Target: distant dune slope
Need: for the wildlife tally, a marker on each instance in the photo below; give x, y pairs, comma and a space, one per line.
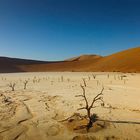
125, 61
76, 64
13, 64
84, 57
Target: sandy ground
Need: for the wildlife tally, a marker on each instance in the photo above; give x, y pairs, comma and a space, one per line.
35, 113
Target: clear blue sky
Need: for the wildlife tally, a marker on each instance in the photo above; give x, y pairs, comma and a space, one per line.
59, 29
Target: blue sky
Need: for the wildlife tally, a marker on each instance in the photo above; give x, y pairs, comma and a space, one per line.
59, 29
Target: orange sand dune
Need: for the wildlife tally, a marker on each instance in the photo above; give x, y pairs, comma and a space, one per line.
84, 57
125, 61
74, 64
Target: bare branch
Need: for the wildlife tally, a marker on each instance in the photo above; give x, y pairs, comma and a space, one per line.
79, 96
25, 84
84, 95
101, 93
96, 98
94, 106
75, 114
82, 108
84, 82
94, 76
92, 117
47, 106
12, 86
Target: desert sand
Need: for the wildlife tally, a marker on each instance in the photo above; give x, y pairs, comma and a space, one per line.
38, 112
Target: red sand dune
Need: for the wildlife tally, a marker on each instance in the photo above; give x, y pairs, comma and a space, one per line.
125, 61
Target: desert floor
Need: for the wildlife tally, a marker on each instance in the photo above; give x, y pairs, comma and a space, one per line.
36, 113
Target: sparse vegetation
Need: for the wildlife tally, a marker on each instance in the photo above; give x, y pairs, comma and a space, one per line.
25, 84
53, 108
62, 78
108, 76
92, 117
12, 86
94, 76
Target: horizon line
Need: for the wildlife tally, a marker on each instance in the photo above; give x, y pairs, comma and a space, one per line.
32, 59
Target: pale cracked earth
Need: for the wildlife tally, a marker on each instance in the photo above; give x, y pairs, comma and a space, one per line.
36, 113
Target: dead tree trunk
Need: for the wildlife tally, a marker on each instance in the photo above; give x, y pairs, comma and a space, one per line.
84, 82
25, 84
92, 117
12, 86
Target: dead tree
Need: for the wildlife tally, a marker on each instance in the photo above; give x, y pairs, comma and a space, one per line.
47, 107
68, 80
6, 99
91, 117
123, 76
108, 76
25, 84
89, 78
84, 81
114, 77
94, 76
12, 86
62, 78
